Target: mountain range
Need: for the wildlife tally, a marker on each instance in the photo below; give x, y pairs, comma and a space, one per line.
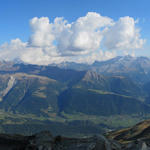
71, 93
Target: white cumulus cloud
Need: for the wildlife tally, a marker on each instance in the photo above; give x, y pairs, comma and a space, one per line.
84, 35
41, 32
12, 50
123, 35
78, 41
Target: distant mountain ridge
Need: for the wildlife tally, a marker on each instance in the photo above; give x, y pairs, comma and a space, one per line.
137, 68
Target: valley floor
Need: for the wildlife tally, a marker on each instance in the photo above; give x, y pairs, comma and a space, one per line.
65, 124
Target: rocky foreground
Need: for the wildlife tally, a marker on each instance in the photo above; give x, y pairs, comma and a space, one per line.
45, 141
135, 138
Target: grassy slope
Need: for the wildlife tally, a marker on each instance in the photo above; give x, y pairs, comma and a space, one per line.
32, 94
127, 135
94, 102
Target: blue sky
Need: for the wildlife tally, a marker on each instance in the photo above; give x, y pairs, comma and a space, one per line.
15, 15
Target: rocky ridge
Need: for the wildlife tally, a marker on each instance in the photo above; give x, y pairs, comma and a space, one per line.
134, 138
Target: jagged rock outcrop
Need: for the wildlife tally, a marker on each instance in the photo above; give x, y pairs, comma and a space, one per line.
91, 143
133, 138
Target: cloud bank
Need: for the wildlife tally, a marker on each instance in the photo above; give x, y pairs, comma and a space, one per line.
89, 38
